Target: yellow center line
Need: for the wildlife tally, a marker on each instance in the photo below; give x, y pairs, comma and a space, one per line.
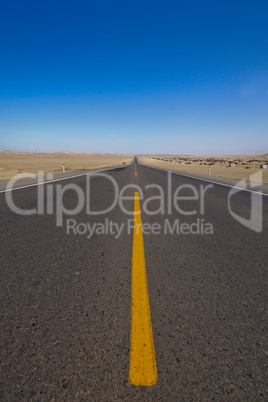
142, 365
135, 173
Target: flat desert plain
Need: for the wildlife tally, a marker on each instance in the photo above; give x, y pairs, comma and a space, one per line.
12, 163
243, 167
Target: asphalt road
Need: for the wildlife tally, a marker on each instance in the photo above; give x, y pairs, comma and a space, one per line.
66, 298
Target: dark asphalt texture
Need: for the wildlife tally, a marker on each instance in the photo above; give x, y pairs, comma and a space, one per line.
66, 300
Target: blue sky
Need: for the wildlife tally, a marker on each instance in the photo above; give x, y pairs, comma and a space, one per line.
134, 76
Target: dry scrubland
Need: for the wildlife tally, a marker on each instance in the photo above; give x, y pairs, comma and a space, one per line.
244, 166
12, 163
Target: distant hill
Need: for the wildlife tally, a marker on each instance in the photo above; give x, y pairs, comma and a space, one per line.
265, 156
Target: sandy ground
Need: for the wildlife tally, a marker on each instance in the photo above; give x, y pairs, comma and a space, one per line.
12, 163
219, 169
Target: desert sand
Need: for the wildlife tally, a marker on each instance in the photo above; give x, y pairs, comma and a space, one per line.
243, 169
12, 163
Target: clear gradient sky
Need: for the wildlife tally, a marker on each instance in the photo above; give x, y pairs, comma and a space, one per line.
134, 76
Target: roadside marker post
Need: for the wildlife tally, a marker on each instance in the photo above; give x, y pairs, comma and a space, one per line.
63, 168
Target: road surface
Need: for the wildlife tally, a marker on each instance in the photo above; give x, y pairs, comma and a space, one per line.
66, 298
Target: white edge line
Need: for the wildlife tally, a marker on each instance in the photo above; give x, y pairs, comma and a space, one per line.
53, 181
208, 181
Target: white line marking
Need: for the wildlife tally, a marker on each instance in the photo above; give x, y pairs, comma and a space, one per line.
63, 178
209, 181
